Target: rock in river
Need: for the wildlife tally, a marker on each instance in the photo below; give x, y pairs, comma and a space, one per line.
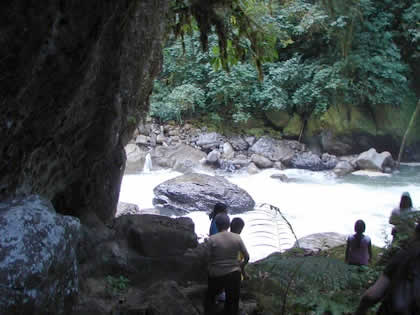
199, 192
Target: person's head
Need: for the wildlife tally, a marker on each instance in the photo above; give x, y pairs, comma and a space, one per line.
218, 208
222, 222
237, 225
405, 201
359, 227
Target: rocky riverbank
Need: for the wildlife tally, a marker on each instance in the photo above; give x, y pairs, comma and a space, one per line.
186, 148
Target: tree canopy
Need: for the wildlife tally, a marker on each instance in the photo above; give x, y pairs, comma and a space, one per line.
302, 56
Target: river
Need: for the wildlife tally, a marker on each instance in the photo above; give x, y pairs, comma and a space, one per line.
312, 202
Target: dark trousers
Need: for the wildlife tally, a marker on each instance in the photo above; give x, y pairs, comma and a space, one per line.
232, 285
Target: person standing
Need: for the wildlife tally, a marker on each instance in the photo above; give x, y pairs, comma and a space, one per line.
236, 226
400, 216
359, 246
224, 269
218, 208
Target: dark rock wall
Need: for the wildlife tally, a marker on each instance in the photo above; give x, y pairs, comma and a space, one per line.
74, 78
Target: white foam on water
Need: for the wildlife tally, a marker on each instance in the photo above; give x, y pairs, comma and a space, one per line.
371, 173
313, 202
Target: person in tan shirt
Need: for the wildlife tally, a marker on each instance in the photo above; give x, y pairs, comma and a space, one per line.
224, 269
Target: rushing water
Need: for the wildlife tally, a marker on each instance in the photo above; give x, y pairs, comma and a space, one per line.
312, 202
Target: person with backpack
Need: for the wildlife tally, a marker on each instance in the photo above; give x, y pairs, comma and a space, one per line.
359, 246
399, 285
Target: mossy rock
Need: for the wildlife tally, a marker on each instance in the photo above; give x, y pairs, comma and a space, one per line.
293, 127
342, 119
279, 118
384, 120
265, 131
394, 120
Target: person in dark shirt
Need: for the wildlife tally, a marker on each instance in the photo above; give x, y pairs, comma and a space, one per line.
359, 246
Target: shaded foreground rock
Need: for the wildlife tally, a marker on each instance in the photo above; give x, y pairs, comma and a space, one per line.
155, 235
140, 264
38, 266
200, 192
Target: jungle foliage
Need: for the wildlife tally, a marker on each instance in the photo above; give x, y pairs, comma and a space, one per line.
300, 55
292, 283
284, 284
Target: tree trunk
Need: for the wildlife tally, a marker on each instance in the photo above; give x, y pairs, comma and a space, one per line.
410, 125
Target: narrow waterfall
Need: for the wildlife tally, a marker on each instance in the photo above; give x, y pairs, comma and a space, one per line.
147, 163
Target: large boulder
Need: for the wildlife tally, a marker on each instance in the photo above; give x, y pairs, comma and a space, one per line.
343, 168
238, 143
261, 161
200, 192
183, 157
310, 161
38, 265
209, 141
78, 78
374, 161
228, 151
272, 149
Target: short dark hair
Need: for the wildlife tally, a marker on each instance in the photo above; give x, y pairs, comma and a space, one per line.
222, 221
237, 225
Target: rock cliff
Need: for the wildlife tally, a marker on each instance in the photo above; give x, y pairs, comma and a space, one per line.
75, 78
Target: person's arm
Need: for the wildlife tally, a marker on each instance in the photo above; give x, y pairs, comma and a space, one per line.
394, 217
213, 228
243, 251
370, 251
244, 261
346, 258
373, 295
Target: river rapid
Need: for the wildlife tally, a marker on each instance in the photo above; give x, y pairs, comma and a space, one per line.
312, 202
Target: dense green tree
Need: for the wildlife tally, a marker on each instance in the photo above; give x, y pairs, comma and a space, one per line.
309, 55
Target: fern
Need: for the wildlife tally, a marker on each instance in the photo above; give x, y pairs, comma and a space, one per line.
317, 284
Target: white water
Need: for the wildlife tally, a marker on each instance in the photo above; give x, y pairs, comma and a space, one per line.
313, 202
147, 163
